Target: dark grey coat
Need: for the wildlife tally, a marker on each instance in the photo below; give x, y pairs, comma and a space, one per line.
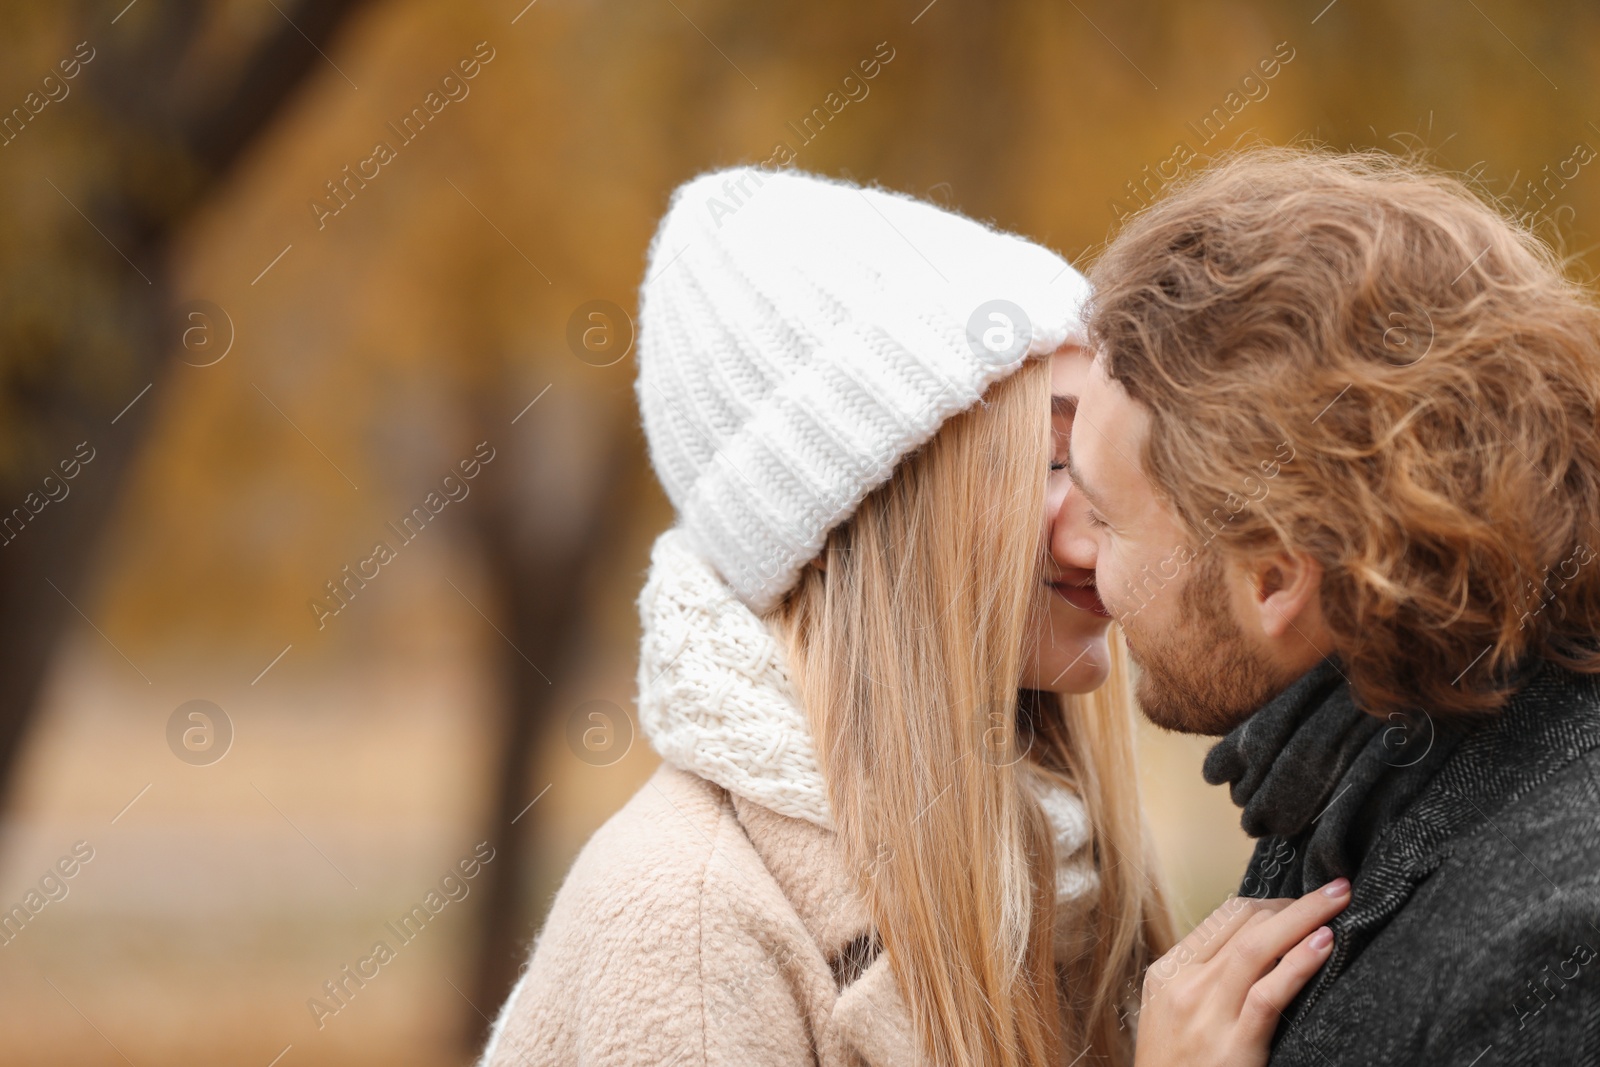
1473, 932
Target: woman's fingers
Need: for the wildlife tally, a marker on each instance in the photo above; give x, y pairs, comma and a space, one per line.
1264, 940
1220, 926
1217, 997
1264, 1004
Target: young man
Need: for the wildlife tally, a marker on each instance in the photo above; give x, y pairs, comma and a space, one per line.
1339, 473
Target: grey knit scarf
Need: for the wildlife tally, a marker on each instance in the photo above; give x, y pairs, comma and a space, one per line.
1319, 780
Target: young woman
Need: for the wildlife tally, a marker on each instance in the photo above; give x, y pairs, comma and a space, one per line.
896, 821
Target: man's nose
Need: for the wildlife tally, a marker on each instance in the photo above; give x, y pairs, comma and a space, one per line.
1072, 542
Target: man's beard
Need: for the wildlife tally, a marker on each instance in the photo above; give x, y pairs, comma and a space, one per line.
1201, 677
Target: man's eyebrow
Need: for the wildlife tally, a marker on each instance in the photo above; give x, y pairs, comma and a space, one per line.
1063, 404
1077, 480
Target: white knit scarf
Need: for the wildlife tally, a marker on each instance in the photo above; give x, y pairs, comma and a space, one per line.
715, 700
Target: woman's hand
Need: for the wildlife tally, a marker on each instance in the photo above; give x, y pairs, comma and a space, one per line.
1216, 998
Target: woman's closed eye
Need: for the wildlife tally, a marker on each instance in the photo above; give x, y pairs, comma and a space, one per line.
1060, 436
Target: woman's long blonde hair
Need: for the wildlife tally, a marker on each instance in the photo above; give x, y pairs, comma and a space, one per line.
907, 644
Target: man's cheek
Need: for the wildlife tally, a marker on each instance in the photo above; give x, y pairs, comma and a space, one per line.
1134, 630
1112, 585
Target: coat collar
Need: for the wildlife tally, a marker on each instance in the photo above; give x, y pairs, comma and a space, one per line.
869, 1017
1409, 793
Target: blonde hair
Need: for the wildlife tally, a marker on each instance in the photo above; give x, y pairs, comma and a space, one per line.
906, 646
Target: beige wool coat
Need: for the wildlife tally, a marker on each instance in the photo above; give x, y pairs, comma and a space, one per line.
712, 920
698, 928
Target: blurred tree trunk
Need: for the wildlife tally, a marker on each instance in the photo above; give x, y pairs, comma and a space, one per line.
970, 97
170, 144
560, 510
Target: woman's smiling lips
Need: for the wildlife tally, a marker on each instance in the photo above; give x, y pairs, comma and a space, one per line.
1081, 594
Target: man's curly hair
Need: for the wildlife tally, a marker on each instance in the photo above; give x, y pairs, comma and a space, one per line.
1437, 377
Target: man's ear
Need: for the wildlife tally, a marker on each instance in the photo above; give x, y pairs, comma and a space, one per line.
1285, 600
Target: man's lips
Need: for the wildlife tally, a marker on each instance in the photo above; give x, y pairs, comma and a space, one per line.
1083, 597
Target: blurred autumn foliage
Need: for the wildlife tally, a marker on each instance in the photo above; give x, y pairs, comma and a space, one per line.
287, 269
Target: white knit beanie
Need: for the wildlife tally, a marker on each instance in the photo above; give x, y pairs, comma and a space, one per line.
798, 336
